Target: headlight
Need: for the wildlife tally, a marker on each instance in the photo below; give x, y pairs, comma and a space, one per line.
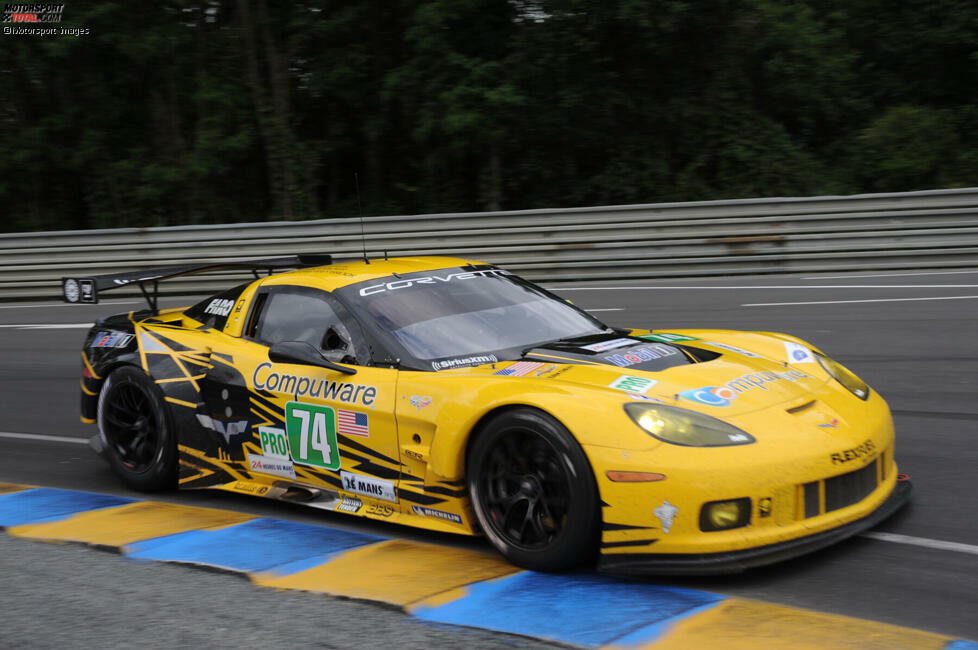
844, 376
689, 428
724, 515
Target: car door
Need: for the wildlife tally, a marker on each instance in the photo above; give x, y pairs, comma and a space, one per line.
312, 425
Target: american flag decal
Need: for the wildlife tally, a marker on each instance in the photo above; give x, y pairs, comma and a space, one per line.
519, 369
351, 423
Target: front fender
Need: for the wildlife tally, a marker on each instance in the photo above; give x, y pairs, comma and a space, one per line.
459, 404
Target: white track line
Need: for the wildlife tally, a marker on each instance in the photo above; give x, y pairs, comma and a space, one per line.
923, 541
884, 275
65, 304
49, 326
782, 286
835, 302
41, 436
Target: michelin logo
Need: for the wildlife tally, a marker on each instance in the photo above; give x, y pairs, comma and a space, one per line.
666, 514
437, 514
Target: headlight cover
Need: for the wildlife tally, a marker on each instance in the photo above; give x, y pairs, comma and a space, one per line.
844, 376
683, 427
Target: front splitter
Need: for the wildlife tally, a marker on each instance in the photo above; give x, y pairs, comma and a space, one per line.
737, 561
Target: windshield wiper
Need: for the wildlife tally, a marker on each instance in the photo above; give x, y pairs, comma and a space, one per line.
568, 339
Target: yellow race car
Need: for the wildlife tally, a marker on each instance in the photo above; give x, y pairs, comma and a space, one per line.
452, 395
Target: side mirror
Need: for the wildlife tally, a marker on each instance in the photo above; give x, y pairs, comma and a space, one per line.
304, 354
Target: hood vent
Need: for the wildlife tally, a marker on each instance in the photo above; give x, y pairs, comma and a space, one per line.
803, 407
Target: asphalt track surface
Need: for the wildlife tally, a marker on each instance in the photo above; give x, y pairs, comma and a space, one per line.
79, 598
912, 337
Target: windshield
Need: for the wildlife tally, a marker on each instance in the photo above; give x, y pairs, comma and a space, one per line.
479, 312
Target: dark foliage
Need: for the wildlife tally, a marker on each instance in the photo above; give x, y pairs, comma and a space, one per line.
182, 112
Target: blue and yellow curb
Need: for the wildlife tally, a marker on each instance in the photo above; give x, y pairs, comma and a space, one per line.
436, 583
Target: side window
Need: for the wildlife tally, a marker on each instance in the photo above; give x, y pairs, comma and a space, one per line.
214, 311
302, 315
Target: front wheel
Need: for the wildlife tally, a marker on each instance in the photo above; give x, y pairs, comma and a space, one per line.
134, 422
533, 491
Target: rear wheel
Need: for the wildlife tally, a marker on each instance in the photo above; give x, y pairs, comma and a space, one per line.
533, 491
134, 422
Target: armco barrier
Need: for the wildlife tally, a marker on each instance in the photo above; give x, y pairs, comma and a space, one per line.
915, 230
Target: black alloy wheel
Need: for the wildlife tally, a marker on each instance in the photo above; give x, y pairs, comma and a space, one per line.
526, 489
533, 491
134, 423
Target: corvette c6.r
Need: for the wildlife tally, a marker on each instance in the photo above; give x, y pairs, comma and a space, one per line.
452, 395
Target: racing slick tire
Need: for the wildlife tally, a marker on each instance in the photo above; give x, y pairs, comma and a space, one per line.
533, 491
135, 426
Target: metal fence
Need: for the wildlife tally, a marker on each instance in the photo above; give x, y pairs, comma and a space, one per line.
918, 230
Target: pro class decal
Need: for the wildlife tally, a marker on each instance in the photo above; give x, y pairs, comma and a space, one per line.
369, 486
631, 384
274, 442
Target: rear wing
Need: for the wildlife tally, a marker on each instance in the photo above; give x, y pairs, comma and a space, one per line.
87, 289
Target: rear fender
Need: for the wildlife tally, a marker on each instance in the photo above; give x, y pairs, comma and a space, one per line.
108, 345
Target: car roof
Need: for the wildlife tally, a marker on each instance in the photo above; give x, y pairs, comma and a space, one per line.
336, 276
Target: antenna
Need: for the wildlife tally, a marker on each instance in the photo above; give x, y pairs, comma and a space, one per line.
363, 237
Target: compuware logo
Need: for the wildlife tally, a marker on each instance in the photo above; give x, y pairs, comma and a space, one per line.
724, 395
710, 395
